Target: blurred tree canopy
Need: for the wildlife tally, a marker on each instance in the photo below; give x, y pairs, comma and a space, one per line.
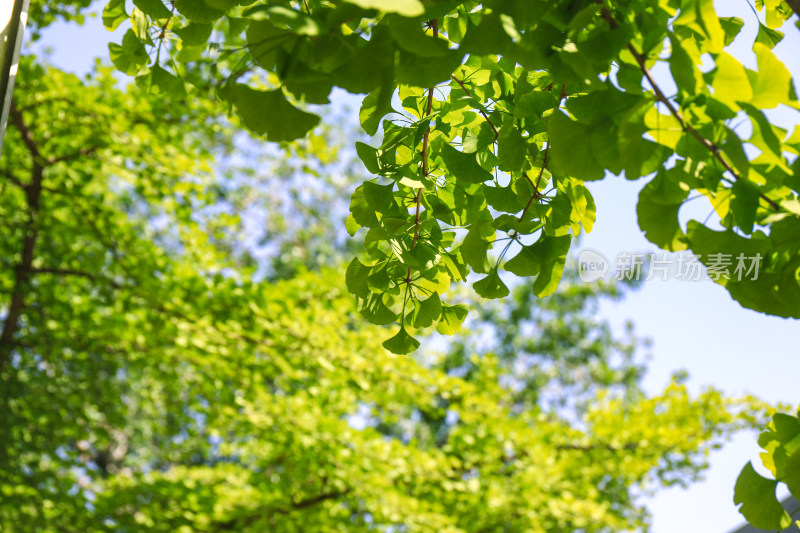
161, 369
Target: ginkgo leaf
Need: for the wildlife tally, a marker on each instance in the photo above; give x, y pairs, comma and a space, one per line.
544, 259
374, 309
759, 505
773, 83
452, 318
402, 343
155, 8
569, 151
768, 37
491, 286
203, 10
511, 149
114, 14
357, 278
269, 113
427, 311
195, 33
130, 56
731, 83
464, 166
657, 210
407, 8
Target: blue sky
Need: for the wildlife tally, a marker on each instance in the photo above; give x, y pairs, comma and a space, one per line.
693, 325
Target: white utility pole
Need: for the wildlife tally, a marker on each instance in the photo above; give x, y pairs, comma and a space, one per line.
13, 16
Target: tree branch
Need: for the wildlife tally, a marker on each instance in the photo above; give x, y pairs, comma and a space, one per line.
23, 269
795, 5
308, 502
675, 112
461, 84
85, 151
62, 272
236, 523
10, 177
536, 194
163, 33
25, 132
53, 99
590, 447
425, 138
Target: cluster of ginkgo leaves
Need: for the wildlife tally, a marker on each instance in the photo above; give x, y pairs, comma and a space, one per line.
493, 115
756, 493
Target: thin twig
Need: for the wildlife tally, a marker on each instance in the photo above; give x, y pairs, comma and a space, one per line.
536, 194
675, 112
795, 5
62, 272
83, 152
461, 84
25, 132
425, 138
10, 177
163, 33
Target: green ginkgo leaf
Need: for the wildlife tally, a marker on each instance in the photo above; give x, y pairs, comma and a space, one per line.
657, 210
570, 154
464, 166
203, 10
427, 311
773, 83
154, 8
759, 505
491, 286
269, 113
130, 56
407, 8
768, 37
114, 14
402, 343
357, 278
375, 310
452, 318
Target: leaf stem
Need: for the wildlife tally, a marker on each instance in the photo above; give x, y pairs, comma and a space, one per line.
461, 84
536, 194
434, 24
675, 112
163, 33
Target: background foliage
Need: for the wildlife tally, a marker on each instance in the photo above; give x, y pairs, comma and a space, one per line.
160, 373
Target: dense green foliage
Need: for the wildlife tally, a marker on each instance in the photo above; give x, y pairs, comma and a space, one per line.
148, 383
493, 115
151, 382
